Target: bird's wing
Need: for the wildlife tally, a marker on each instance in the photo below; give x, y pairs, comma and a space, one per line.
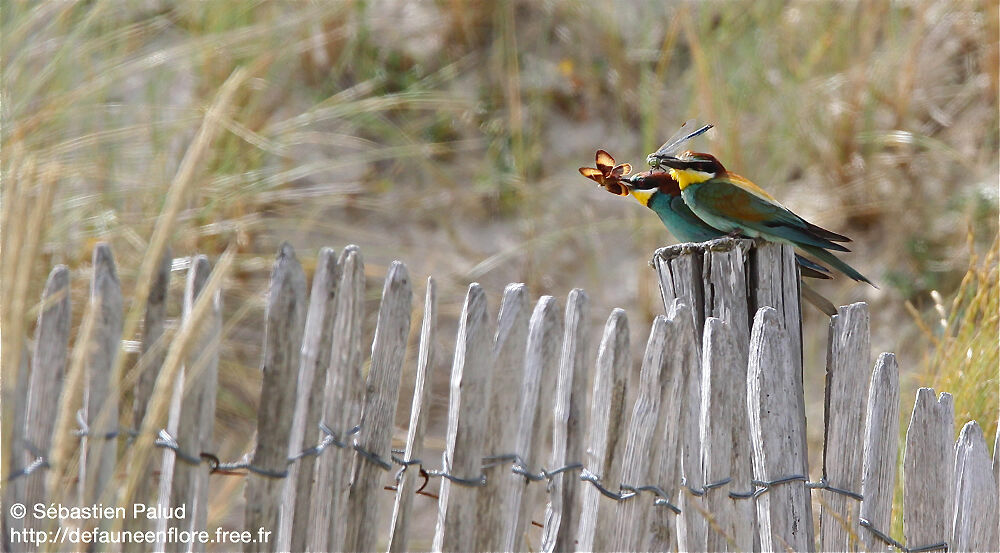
749, 186
819, 231
742, 202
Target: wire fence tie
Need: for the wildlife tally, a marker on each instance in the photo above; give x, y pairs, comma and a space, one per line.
663, 500
373, 457
888, 540
84, 429
521, 468
277, 474
595, 480
699, 492
766, 485
37, 464
479, 481
331, 437
824, 484
165, 440
567, 468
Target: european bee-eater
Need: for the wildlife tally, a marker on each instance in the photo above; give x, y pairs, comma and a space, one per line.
735, 205
658, 191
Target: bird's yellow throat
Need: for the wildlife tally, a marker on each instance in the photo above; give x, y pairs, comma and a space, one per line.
643, 196
687, 177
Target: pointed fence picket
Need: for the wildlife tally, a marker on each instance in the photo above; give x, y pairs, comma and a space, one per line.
602, 461
711, 456
561, 516
881, 445
501, 405
406, 485
316, 351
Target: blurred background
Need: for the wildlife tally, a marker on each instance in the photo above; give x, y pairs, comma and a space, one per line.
447, 134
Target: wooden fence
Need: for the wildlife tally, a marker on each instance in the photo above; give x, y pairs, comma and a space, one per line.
710, 456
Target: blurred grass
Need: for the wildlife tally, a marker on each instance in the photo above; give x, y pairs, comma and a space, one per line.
963, 351
447, 134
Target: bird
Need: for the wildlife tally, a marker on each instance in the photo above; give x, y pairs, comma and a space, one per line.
735, 205
659, 191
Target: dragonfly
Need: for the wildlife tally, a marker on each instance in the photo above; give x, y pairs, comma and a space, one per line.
673, 144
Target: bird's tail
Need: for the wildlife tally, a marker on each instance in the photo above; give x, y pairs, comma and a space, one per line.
835, 262
811, 269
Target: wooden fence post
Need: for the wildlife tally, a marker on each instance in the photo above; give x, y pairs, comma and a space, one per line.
48, 368
632, 514
285, 320
725, 438
603, 458
881, 450
534, 422
976, 516
727, 298
928, 470
679, 268
100, 395
849, 357
196, 416
342, 394
776, 430
154, 348
153, 353
561, 516
373, 455
406, 486
470, 383
505, 388
669, 438
315, 358
685, 355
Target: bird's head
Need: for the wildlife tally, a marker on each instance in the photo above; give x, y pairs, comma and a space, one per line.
644, 185
689, 167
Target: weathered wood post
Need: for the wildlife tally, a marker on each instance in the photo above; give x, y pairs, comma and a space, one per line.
470, 382
976, 517
195, 415
783, 512
541, 359
847, 375
316, 342
342, 398
151, 358
881, 450
48, 370
603, 460
372, 443
928, 470
101, 396
731, 279
561, 515
285, 321
632, 514
509, 343
407, 482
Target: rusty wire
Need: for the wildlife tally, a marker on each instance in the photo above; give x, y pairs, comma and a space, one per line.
625, 491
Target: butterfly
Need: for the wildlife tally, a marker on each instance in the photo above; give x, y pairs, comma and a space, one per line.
607, 174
